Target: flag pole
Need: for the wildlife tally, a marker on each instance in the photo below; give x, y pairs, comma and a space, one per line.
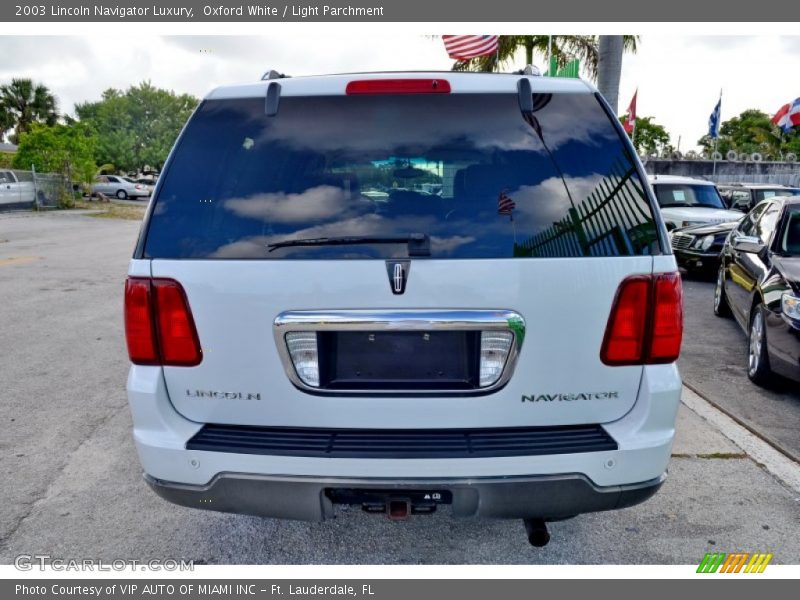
716, 137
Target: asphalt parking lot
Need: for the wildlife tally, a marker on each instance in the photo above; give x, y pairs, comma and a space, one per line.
73, 486
714, 362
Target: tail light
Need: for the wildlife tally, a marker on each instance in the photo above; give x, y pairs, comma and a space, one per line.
397, 86
159, 327
646, 321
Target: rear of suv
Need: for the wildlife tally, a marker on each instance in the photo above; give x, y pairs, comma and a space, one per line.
407, 292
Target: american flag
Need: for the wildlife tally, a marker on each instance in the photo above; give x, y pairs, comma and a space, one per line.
505, 205
464, 47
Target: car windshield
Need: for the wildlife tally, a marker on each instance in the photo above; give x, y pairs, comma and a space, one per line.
761, 194
466, 170
686, 194
791, 235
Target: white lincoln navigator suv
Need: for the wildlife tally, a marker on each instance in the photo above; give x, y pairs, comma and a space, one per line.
405, 292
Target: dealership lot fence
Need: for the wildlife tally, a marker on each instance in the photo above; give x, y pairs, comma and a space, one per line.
41, 190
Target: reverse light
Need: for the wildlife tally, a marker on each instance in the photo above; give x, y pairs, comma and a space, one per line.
495, 346
159, 328
302, 346
646, 321
397, 86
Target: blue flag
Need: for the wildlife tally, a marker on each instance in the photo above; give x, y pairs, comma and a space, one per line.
713, 121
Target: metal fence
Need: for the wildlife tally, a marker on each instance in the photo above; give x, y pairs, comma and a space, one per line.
610, 221
728, 171
42, 190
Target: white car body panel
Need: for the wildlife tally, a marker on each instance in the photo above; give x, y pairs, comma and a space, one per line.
565, 303
234, 304
695, 216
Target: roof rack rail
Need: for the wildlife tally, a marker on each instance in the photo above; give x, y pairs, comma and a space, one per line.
273, 74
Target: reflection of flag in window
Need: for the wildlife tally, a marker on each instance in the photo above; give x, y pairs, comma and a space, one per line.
505, 205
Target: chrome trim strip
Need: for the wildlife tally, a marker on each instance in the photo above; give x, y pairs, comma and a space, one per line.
399, 320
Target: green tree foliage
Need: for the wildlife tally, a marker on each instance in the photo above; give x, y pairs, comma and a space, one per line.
65, 149
136, 128
6, 160
22, 104
750, 132
564, 48
650, 137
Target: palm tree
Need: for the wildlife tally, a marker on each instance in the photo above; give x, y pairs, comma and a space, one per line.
6, 122
23, 103
609, 65
564, 48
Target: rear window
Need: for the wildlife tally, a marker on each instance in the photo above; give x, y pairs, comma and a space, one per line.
465, 170
687, 195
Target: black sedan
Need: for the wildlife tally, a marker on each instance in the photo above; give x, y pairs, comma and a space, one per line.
697, 248
759, 284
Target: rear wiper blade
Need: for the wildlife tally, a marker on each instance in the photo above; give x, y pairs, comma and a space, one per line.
419, 244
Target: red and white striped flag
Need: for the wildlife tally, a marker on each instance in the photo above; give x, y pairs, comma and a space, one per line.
630, 117
464, 47
505, 205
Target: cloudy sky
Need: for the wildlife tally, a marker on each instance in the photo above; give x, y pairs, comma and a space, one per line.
679, 77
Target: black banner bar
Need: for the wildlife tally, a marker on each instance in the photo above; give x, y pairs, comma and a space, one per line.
464, 11
728, 587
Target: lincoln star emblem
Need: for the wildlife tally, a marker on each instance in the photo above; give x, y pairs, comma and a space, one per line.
398, 275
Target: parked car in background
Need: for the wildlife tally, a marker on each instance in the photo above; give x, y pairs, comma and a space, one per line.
685, 201
14, 192
118, 186
744, 196
146, 185
697, 248
759, 284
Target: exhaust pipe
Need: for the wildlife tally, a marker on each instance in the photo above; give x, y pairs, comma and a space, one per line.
536, 529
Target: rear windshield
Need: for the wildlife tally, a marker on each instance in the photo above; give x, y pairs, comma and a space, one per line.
466, 171
683, 195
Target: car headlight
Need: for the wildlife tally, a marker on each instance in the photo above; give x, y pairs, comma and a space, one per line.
790, 305
707, 242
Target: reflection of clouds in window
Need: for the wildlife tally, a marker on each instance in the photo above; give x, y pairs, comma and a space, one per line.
314, 204
365, 225
536, 202
448, 245
501, 127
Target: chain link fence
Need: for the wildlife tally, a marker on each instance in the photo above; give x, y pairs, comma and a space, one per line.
40, 190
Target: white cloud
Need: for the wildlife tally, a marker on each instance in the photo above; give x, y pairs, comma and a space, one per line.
679, 77
314, 204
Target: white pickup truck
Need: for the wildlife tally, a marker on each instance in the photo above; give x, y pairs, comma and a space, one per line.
13, 191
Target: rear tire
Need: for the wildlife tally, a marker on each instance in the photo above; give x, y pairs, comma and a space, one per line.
721, 307
758, 369
122, 194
